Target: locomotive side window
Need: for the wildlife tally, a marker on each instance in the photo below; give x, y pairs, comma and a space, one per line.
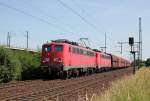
58, 48
78, 51
88, 53
84, 52
73, 50
106, 56
81, 51
46, 48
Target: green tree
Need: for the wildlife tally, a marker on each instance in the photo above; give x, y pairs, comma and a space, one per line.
147, 62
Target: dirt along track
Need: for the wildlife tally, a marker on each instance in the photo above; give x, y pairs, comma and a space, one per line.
76, 89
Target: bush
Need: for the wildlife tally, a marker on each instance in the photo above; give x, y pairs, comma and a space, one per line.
10, 67
30, 64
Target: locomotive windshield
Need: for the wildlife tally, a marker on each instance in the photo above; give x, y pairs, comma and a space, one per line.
46, 48
58, 48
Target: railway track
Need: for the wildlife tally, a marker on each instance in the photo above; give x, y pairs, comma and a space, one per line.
60, 90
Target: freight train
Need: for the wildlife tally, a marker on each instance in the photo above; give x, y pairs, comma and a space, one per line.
66, 59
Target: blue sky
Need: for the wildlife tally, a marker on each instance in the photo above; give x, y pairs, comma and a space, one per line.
48, 20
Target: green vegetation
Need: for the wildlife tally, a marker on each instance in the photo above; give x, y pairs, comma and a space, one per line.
17, 65
30, 64
10, 66
140, 63
147, 62
131, 88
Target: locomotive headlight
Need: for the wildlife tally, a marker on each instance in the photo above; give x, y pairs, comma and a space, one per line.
47, 59
57, 59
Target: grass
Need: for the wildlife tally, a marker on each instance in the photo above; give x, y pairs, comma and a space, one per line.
130, 88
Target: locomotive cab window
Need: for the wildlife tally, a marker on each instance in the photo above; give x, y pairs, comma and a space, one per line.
46, 48
58, 48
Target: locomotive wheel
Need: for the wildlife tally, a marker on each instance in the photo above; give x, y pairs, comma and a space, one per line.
61, 75
65, 75
75, 73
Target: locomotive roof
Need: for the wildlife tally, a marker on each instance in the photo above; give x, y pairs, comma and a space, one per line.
69, 42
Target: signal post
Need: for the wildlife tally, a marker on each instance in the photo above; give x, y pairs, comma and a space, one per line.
131, 43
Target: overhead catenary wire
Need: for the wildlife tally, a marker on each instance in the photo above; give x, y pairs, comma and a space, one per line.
91, 17
87, 14
45, 14
78, 14
33, 16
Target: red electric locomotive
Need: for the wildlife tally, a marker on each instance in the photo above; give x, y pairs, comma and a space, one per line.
103, 61
67, 58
